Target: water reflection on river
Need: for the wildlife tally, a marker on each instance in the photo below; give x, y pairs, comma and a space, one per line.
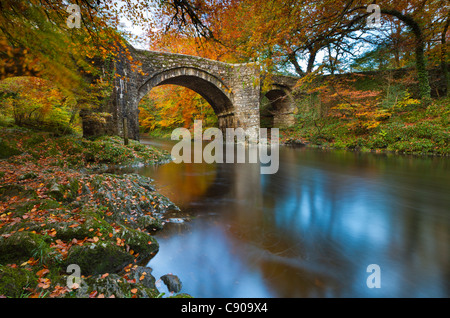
311, 229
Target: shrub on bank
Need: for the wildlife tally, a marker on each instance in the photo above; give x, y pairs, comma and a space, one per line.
414, 131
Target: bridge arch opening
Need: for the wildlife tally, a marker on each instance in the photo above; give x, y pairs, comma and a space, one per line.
277, 107
170, 106
212, 89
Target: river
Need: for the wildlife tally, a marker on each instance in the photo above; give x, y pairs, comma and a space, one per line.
310, 230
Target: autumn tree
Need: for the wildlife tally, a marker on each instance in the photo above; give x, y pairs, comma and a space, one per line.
35, 39
444, 56
418, 16
172, 106
413, 24
35, 102
290, 35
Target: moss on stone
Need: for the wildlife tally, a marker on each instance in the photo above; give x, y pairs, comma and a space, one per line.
19, 247
98, 258
140, 242
116, 286
150, 223
14, 280
93, 223
12, 190
182, 295
112, 285
94, 209
6, 151
48, 204
28, 175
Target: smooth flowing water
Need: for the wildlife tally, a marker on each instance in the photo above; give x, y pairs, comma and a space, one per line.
310, 230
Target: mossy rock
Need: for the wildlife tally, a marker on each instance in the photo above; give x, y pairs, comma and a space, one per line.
36, 139
67, 192
12, 190
14, 280
89, 228
172, 282
55, 190
144, 276
182, 295
140, 242
19, 247
20, 208
6, 151
116, 286
13, 227
112, 285
28, 175
149, 223
99, 258
48, 204
143, 182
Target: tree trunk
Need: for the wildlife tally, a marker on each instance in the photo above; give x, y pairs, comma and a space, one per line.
311, 60
310, 66
444, 57
125, 131
293, 60
422, 72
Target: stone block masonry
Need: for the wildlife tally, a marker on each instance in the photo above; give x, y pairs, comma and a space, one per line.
233, 90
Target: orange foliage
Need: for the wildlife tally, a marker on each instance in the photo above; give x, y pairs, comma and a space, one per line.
171, 106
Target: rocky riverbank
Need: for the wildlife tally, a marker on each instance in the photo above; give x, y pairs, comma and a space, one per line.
57, 210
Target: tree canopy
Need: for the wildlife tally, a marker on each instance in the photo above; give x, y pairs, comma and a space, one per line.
295, 37
300, 36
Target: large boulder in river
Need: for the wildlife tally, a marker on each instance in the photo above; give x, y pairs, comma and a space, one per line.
172, 282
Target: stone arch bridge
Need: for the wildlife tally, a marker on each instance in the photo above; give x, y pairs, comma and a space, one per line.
233, 90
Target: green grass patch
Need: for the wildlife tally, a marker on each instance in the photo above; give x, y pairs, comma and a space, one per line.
411, 130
